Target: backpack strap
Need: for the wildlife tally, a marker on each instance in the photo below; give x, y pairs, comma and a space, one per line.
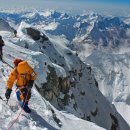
16, 72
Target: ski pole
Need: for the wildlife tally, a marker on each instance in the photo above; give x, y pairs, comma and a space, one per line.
7, 101
4, 100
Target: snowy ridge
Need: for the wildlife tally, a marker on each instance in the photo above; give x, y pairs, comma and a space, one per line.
63, 79
41, 117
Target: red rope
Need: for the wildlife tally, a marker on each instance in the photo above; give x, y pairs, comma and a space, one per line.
14, 121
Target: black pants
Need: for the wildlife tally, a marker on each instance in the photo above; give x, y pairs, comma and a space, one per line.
1, 54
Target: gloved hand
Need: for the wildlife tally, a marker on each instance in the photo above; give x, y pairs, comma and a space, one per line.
30, 83
7, 94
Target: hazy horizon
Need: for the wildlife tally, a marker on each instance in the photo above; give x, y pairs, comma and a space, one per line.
120, 7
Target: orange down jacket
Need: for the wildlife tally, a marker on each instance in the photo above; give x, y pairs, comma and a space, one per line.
21, 74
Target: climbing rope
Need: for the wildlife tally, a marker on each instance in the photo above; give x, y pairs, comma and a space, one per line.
14, 121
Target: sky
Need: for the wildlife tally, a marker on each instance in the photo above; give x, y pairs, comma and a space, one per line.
77, 6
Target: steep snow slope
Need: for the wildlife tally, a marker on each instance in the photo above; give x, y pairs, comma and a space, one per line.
112, 73
41, 117
57, 65
4, 26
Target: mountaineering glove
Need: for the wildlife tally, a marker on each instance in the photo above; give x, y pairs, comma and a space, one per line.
30, 83
8, 92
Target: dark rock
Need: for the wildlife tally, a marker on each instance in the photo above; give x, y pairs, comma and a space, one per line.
95, 112
114, 125
36, 35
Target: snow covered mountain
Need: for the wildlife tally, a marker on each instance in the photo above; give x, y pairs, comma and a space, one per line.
87, 28
4, 26
112, 74
126, 19
107, 31
69, 84
43, 117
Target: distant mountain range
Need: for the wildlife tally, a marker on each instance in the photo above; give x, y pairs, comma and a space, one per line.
87, 28
46, 38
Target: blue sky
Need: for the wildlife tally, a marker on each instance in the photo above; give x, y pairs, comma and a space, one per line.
100, 1
94, 1
107, 6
